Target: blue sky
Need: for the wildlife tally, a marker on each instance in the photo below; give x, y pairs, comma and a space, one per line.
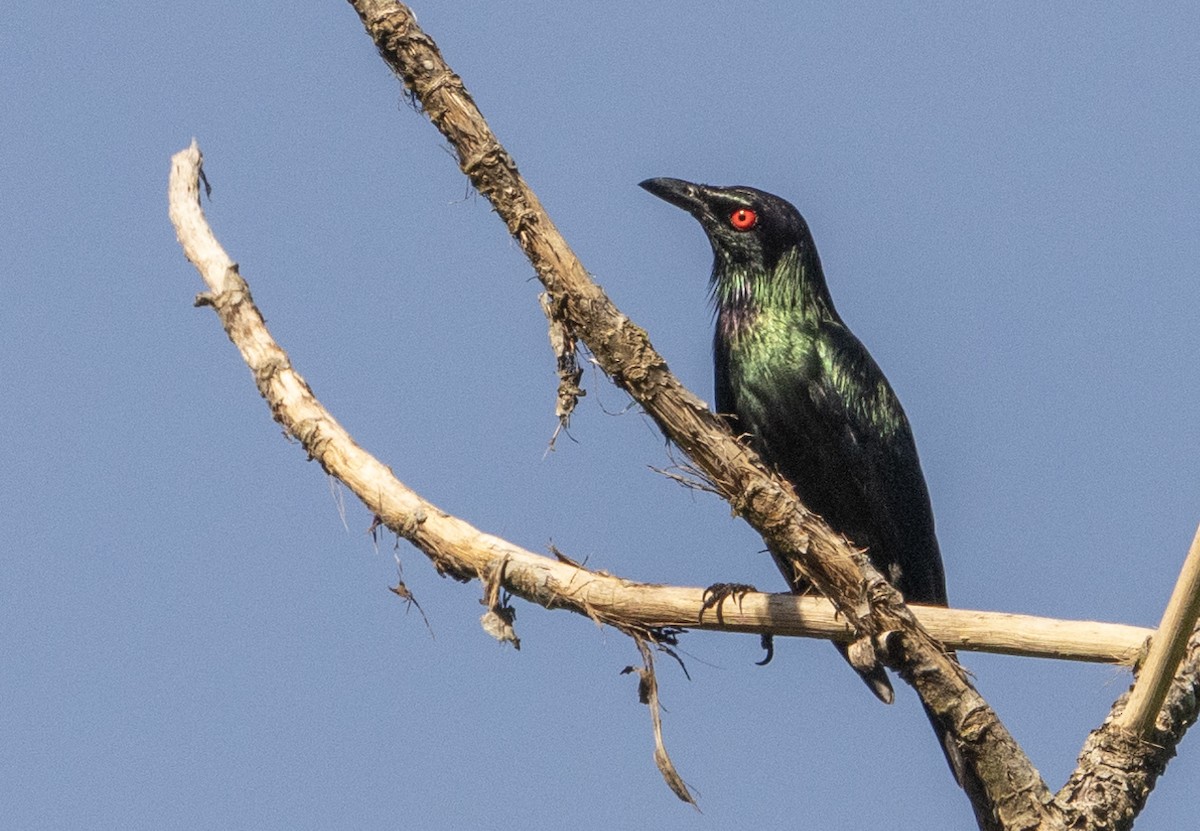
196, 633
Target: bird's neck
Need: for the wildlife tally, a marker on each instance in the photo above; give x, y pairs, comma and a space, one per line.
794, 289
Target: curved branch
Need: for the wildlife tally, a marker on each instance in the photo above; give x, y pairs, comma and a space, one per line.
458, 548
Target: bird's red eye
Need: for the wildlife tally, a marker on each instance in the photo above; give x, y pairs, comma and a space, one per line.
743, 219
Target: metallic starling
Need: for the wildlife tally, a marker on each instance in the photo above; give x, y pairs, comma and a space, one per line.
794, 380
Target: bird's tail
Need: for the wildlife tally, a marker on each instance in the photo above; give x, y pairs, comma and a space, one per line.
875, 677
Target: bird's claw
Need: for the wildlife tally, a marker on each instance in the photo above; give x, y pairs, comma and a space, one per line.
718, 593
768, 645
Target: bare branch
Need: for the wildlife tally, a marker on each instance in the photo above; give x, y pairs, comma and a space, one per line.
457, 548
1122, 760
1166, 649
1118, 768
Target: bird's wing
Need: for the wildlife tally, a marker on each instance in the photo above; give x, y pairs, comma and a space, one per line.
829, 421
879, 455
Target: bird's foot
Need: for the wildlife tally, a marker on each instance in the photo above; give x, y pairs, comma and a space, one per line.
718, 593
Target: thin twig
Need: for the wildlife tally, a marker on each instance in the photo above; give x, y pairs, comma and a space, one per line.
648, 695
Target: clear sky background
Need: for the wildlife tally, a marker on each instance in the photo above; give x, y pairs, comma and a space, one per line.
195, 626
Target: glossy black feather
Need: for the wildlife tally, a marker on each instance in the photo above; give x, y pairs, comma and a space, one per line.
804, 391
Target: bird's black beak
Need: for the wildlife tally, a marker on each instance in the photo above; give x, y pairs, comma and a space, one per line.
679, 193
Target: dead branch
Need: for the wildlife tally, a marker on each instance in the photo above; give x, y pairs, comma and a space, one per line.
457, 548
1166, 650
1118, 767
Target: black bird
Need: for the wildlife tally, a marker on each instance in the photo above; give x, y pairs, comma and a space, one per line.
793, 378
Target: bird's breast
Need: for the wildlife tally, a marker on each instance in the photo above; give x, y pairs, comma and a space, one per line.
735, 324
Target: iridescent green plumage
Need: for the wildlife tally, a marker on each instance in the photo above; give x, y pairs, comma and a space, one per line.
806, 393
809, 398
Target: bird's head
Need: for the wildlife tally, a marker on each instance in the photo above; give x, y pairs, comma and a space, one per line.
762, 248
